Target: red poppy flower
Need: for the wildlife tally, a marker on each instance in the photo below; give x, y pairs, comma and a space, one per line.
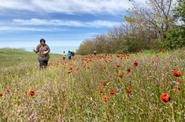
165, 97
129, 90
128, 70
136, 63
104, 83
102, 91
118, 65
32, 93
112, 91
120, 74
106, 98
177, 73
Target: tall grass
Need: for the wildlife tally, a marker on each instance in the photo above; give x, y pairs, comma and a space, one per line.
70, 90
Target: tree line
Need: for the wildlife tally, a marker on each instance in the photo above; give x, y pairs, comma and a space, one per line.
160, 24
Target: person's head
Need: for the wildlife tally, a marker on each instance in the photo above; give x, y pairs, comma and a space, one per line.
42, 41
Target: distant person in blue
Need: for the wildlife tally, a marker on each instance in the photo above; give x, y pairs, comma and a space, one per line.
69, 55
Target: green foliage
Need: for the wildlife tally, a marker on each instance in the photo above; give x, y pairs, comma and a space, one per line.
180, 9
133, 20
175, 38
86, 47
118, 41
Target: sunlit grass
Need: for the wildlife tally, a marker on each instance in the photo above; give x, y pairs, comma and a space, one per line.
72, 90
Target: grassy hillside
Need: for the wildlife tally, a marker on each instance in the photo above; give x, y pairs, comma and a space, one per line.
113, 88
11, 57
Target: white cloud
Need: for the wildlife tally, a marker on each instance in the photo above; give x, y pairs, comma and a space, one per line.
69, 6
46, 25
32, 43
34, 29
72, 23
15, 4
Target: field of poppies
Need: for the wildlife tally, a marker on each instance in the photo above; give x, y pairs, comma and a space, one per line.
146, 86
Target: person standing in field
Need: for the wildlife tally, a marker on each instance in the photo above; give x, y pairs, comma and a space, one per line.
94, 52
43, 51
64, 55
69, 55
72, 54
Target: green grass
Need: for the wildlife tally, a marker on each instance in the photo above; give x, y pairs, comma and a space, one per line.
12, 57
9, 57
64, 96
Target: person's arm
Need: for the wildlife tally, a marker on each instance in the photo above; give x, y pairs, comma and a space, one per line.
37, 49
48, 50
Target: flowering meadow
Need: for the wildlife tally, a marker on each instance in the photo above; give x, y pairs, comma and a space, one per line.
139, 87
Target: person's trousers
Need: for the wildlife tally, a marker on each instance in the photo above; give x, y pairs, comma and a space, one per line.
43, 63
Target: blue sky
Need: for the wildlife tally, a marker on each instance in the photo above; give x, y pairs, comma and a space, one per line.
63, 23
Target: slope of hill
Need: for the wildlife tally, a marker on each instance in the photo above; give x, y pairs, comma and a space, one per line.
11, 57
